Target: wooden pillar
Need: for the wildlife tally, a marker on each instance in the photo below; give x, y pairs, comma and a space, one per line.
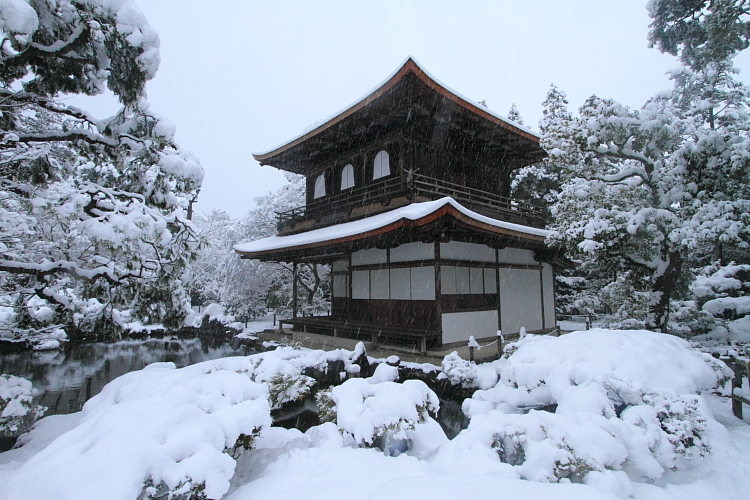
294, 289
438, 292
541, 286
738, 370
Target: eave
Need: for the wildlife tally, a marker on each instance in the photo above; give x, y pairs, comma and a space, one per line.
410, 66
410, 218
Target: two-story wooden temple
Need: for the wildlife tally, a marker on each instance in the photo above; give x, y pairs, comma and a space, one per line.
408, 200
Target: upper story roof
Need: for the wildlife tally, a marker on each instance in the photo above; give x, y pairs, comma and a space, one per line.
411, 101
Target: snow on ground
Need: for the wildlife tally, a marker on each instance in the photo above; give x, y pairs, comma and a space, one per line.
599, 414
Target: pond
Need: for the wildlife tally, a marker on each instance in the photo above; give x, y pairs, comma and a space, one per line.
66, 379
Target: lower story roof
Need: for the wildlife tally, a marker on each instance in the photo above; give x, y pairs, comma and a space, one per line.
411, 216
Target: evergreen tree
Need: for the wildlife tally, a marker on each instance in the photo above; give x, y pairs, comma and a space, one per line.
538, 185
249, 288
514, 115
649, 189
92, 212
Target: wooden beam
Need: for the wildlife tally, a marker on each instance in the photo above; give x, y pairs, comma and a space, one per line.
294, 289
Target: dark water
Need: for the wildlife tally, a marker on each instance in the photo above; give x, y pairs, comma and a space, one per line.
65, 380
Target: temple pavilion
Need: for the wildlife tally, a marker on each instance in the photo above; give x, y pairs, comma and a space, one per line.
408, 201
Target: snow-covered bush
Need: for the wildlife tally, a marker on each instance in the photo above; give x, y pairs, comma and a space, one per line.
458, 371
283, 389
370, 411
722, 302
600, 400
17, 411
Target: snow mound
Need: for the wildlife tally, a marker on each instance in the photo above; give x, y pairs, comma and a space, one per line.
157, 426
621, 405
369, 410
646, 361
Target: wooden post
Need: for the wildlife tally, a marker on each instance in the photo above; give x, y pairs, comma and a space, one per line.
438, 292
736, 383
471, 353
294, 289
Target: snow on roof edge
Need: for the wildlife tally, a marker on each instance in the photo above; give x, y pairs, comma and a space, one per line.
383, 82
414, 211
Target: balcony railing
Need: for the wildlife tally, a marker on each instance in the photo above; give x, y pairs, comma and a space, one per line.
413, 187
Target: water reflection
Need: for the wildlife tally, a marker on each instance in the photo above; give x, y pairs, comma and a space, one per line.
65, 380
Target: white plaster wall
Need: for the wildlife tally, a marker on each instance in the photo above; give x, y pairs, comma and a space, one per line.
401, 284
413, 251
516, 256
360, 284
458, 326
340, 285
340, 265
380, 284
520, 299
423, 283
458, 250
448, 280
369, 256
490, 280
548, 283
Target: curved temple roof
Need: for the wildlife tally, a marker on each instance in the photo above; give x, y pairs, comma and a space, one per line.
410, 66
414, 215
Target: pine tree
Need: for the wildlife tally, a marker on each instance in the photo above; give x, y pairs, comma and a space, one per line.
514, 115
651, 188
538, 185
92, 212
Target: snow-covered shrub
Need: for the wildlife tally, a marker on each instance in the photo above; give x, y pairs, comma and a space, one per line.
17, 411
684, 421
283, 389
370, 411
594, 401
326, 407
722, 302
458, 371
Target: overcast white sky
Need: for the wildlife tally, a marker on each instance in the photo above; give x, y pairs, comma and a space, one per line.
239, 77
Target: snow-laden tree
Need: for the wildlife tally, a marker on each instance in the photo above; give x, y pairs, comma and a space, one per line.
538, 185
92, 211
248, 288
651, 188
700, 32
514, 114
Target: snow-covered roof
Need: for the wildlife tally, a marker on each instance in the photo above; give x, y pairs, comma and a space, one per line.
409, 65
413, 215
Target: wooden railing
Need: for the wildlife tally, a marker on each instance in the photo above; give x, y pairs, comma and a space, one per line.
413, 187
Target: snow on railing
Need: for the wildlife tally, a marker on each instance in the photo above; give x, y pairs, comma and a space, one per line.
414, 186
473, 344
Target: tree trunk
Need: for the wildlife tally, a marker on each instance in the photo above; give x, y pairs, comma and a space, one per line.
662, 291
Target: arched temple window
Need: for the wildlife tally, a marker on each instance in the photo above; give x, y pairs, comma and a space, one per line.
381, 166
320, 186
347, 177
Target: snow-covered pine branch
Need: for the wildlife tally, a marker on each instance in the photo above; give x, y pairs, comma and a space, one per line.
650, 192
94, 211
